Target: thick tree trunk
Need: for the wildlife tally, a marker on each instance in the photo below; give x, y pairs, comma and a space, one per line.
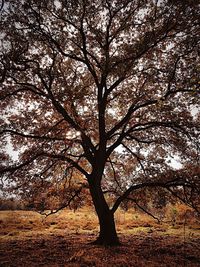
107, 235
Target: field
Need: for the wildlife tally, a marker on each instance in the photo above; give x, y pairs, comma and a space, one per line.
29, 239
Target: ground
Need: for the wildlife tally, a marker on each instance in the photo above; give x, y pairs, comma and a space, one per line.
29, 239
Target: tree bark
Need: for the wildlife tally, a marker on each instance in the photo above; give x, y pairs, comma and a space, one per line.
107, 235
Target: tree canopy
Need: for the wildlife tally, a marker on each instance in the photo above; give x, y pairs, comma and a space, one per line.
102, 94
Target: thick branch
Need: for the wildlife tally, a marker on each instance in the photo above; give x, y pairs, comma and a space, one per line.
174, 183
86, 141
44, 154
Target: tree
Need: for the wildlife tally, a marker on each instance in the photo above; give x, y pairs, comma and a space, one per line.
105, 88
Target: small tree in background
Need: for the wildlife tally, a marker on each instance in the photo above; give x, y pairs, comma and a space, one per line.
108, 89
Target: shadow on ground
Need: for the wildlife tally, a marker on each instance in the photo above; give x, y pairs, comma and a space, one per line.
74, 250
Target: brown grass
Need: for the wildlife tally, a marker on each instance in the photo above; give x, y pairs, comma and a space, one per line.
29, 239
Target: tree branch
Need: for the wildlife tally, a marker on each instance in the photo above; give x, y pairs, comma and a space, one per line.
143, 209
76, 194
176, 183
39, 137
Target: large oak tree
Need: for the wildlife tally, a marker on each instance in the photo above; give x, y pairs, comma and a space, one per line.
105, 91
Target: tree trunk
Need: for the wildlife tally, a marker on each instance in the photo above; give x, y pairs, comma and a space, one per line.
107, 235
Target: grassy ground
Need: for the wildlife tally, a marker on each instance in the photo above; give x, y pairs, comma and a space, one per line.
29, 239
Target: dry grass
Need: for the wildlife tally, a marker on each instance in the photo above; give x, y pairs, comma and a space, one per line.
29, 239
